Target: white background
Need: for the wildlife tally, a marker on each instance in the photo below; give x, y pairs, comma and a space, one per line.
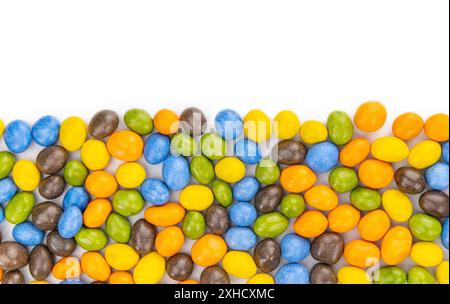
77, 57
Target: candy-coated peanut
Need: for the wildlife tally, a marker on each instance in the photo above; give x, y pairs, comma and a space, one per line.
169, 214
397, 205
427, 254
169, 241
239, 264
196, 197
150, 269
389, 149
95, 155
208, 250
354, 152
437, 127
257, 126
343, 218
321, 197
26, 175
375, 174
396, 245
361, 253
374, 225
407, 126
96, 213
130, 175
370, 116
230, 169
353, 275
425, 154
121, 277
94, 265
125, 145
73, 133
442, 273
121, 256
166, 122
67, 268
297, 178
286, 124
101, 184
311, 224
312, 132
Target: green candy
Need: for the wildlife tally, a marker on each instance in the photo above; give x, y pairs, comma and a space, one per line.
128, 202
292, 205
340, 127
270, 225
193, 225
425, 227
343, 179
213, 146
365, 199
222, 193
420, 275
91, 239
7, 161
20, 207
118, 228
389, 275
75, 173
267, 172
202, 169
139, 121
183, 144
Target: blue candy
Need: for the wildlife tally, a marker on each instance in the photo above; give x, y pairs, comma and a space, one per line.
27, 234
240, 238
247, 151
76, 196
292, 274
294, 248
70, 222
2, 215
445, 152
157, 148
45, 131
17, 136
322, 157
71, 282
246, 189
444, 236
243, 214
175, 172
7, 190
437, 176
229, 124
155, 191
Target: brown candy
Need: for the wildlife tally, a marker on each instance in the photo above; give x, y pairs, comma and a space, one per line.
193, 121
60, 246
328, 248
12, 256
143, 236
410, 180
52, 186
289, 152
103, 124
52, 160
268, 198
217, 219
13, 277
41, 262
45, 216
322, 274
267, 255
180, 266
214, 275
435, 203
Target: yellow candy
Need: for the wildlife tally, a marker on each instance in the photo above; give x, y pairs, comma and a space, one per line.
424, 154
95, 155
397, 205
230, 169
196, 197
38, 282
73, 133
390, 149
150, 269
239, 264
130, 175
426, 254
353, 275
286, 124
2, 127
121, 256
442, 273
312, 132
26, 175
261, 278
257, 126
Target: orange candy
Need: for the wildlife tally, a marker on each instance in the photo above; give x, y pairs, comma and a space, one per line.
354, 152
96, 213
343, 218
375, 174
189, 282
208, 250
67, 268
361, 253
396, 245
121, 277
166, 122
125, 145
94, 266
169, 241
101, 184
298, 178
321, 197
407, 126
1, 274
311, 224
374, 225
436, 127
169, 214
370, 116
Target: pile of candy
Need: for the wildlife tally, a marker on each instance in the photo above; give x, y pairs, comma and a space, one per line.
223, 206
